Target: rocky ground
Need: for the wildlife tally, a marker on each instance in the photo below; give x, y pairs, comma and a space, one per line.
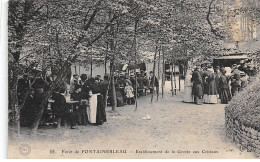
167, 128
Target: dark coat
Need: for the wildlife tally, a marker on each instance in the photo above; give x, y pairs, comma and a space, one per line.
204, 76
140, 81
23, 85
236, 79
101, 112
146, 82
224, 93
96, 88
59, 105
132, 79
197, 89
103, 87
154, 81
223, 82
86, 86
212, 86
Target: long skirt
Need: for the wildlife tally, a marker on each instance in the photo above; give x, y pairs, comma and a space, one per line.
212, 99
198, 100
225, 96
96, 110
187, 97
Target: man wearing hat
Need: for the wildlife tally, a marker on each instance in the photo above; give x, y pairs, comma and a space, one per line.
98, 78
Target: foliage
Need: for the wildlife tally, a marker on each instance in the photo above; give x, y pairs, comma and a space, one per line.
54, 35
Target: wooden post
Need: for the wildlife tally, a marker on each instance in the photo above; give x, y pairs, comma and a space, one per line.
154, 64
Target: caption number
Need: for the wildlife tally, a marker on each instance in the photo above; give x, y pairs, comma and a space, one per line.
52, 151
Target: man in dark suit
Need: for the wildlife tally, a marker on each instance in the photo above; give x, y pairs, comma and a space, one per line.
153, 82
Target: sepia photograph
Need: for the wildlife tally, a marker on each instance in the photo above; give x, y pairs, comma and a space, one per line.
133, 79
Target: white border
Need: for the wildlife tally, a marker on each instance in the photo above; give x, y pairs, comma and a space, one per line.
3, 82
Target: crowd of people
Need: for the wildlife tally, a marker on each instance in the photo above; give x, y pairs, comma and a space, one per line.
89, 96
125, 86
205, 84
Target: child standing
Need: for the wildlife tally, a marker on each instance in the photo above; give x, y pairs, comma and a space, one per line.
129, 92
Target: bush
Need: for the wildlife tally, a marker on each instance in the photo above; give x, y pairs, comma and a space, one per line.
245, 106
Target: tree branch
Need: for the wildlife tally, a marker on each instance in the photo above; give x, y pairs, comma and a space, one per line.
214, 31
86, 27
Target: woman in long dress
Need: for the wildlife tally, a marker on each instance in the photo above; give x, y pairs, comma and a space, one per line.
212, 88
187, 97
224, 94
96, 109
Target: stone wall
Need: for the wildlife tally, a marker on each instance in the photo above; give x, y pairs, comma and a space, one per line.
243, 133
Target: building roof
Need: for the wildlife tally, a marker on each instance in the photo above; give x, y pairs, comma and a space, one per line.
232, 57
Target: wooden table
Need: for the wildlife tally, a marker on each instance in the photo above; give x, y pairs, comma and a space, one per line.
67, 101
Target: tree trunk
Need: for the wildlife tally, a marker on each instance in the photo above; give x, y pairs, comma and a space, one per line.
91, 65
159, 61
179, 76
43, 104
163, 76
113, 49
136, 91
154, 64
172, 78
38, 117
14, 100
135, 50
108, 87
114, 102
106, 59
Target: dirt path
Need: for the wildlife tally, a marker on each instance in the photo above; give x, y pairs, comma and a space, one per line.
185, 130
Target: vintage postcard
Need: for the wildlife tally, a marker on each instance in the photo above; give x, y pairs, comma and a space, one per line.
133, 79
